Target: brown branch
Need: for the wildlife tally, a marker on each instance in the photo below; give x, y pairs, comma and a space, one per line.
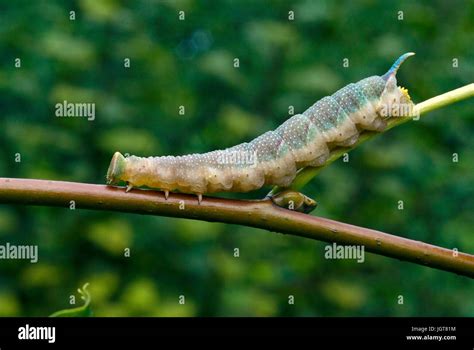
262, 214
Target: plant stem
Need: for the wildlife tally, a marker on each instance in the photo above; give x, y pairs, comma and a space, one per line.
261, 214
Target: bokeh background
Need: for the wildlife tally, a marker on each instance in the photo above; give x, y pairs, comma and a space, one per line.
191, 63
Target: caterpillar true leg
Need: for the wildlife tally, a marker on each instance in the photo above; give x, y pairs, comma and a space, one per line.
167, 194
199, 198
129, 187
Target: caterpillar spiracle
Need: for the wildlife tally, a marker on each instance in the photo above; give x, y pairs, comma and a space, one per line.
274, 157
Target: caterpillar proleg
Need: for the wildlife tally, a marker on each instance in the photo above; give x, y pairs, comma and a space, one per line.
274, 157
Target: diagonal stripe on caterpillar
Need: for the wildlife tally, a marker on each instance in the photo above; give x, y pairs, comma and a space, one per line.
274, 157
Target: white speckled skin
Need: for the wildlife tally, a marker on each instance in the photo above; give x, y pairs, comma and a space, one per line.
274, 157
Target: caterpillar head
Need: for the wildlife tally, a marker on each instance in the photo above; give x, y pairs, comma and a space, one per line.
395, 100
116, 169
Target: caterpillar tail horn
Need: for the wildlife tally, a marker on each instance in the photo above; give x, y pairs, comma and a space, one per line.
393, 70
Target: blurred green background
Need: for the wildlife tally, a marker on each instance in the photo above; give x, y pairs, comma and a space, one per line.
190, 63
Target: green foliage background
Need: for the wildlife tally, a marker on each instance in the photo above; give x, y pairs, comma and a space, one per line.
190, 63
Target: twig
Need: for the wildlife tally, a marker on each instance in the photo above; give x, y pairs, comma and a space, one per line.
262, 214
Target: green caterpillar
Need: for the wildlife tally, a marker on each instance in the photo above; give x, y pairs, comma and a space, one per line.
274, 157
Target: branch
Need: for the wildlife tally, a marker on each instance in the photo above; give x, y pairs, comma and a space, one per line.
261, 214
307, 174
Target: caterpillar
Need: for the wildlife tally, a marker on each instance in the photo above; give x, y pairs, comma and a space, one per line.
275, 157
